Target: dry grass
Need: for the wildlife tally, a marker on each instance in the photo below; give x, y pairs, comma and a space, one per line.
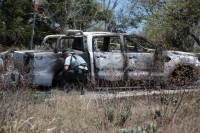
23, 111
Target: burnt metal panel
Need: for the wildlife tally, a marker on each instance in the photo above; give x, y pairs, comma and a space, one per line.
139, 65
109, 65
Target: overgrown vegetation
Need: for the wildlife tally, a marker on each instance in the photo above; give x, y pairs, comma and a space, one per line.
175, 25
25, 111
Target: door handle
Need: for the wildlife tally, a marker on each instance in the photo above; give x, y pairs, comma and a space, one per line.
132, 57
101, 56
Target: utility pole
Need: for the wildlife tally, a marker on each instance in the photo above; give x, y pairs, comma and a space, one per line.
36, 3
1, 3
103, 4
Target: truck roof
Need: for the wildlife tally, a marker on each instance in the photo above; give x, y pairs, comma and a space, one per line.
96, 33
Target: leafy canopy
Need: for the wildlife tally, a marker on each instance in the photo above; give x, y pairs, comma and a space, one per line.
176, 25
15, 28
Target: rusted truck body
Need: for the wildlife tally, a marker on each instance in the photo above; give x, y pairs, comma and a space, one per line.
8, 75
112, 57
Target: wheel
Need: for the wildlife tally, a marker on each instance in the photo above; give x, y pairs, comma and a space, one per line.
183, 75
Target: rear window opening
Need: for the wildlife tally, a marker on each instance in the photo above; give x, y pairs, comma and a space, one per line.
76, 43
107, 44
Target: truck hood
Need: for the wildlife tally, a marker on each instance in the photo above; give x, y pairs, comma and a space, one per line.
183, 53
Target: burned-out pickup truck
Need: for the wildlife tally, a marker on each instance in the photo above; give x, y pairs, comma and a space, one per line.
113, 58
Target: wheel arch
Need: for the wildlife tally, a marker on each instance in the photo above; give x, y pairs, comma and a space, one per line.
183, 75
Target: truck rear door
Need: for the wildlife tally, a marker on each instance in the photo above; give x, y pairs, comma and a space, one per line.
108, 58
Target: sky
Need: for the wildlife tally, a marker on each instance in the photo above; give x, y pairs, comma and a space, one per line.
122, 4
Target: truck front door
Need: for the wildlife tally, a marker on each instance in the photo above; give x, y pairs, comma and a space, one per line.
143, 61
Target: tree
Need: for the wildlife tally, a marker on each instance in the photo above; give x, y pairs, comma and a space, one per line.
52, 17
177, 24
15, 28
71, 14
134, 12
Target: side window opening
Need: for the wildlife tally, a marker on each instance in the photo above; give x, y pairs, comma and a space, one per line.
107, 44
131, 45
115, 44
77, 44
65, 43
71, 43
135, 44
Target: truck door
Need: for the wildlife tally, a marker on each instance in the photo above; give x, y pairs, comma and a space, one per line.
75, 44
142, 59
108, 58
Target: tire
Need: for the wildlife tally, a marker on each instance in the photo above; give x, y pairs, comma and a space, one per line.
182, 76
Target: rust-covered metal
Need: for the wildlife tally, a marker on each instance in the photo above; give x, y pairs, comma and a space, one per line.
110, 57
8, 75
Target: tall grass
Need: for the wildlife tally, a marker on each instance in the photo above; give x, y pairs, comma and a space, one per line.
58, 112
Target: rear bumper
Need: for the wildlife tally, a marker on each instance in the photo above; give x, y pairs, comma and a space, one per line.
9, 78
